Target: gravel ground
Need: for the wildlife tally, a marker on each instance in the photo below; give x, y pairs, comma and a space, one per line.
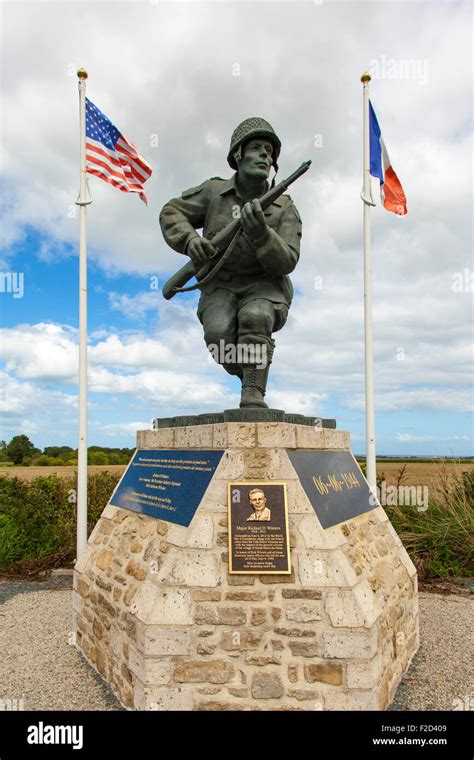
40, 666
442, 670
37, 662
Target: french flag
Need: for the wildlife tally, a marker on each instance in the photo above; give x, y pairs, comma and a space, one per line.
391, 190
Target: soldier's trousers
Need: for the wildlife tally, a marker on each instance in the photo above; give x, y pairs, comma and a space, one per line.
231, 320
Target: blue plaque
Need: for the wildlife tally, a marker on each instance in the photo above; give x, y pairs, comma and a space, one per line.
166, 484
334, 484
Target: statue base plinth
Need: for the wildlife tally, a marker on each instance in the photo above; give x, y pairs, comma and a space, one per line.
160, 618
248, 414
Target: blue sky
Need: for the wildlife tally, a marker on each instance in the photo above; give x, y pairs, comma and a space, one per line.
147, 357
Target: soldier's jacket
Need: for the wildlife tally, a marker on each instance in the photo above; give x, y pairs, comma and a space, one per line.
215, 203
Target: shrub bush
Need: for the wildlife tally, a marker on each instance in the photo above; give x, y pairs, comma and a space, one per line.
38, 517
440, 539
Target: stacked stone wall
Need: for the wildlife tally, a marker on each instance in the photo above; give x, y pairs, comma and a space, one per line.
160, 618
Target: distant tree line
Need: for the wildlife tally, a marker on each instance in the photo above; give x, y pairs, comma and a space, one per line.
22, 451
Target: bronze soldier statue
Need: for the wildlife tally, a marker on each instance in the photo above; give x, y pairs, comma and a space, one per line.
248, 298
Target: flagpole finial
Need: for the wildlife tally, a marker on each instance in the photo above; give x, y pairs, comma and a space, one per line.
365, 78
82, 73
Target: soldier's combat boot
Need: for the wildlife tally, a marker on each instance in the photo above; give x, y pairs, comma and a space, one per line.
253, 387
254, 382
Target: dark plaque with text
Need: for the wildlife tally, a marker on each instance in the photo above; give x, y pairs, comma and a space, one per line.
334, 484
258, 529
167, 484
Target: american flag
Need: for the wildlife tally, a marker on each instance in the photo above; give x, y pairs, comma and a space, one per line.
110, 156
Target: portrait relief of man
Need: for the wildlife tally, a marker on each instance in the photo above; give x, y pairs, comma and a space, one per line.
258, 503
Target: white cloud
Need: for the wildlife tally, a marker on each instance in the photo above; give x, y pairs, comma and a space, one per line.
299, 403
131, 351
135, 307
422, 399
118, 428
44, 351
411, 438
17, 397
302, 381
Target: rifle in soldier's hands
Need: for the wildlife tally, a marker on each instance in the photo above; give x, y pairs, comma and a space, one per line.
223, 243
200, 250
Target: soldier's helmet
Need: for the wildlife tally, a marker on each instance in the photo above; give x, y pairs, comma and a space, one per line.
253, 127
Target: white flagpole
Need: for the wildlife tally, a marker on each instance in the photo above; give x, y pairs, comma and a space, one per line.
369, 361
82, 201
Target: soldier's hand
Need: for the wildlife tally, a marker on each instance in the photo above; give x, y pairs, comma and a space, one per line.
199, 250
253, 220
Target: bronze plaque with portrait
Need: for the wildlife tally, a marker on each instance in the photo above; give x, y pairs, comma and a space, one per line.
258, 529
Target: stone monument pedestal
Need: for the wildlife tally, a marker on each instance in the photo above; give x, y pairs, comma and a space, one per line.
159, 617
